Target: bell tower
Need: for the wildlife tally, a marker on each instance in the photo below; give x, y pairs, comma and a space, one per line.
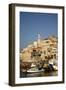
39, 38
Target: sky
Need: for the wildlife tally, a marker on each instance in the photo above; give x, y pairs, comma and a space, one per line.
32, 23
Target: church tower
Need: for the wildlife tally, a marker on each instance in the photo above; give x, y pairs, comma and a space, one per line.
39, 39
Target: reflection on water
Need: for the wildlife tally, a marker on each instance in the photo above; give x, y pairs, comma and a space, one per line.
41, 74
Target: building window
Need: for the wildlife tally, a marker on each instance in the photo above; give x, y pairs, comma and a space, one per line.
34, 53
48, 49
45, 57
47, 41
44, 52
55, 56
51, 56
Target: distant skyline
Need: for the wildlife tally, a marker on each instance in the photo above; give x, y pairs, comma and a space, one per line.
33, 23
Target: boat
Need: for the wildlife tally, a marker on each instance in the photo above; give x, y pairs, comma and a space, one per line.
55, 67
34, 69
52, 65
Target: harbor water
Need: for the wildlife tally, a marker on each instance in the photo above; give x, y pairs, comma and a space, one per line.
38, 74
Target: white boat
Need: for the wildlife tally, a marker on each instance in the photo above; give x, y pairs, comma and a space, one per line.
55, 67
34, 69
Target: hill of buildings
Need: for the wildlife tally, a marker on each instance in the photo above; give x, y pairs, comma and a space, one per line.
40, 50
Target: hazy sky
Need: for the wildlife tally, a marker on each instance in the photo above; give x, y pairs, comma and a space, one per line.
33, 23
